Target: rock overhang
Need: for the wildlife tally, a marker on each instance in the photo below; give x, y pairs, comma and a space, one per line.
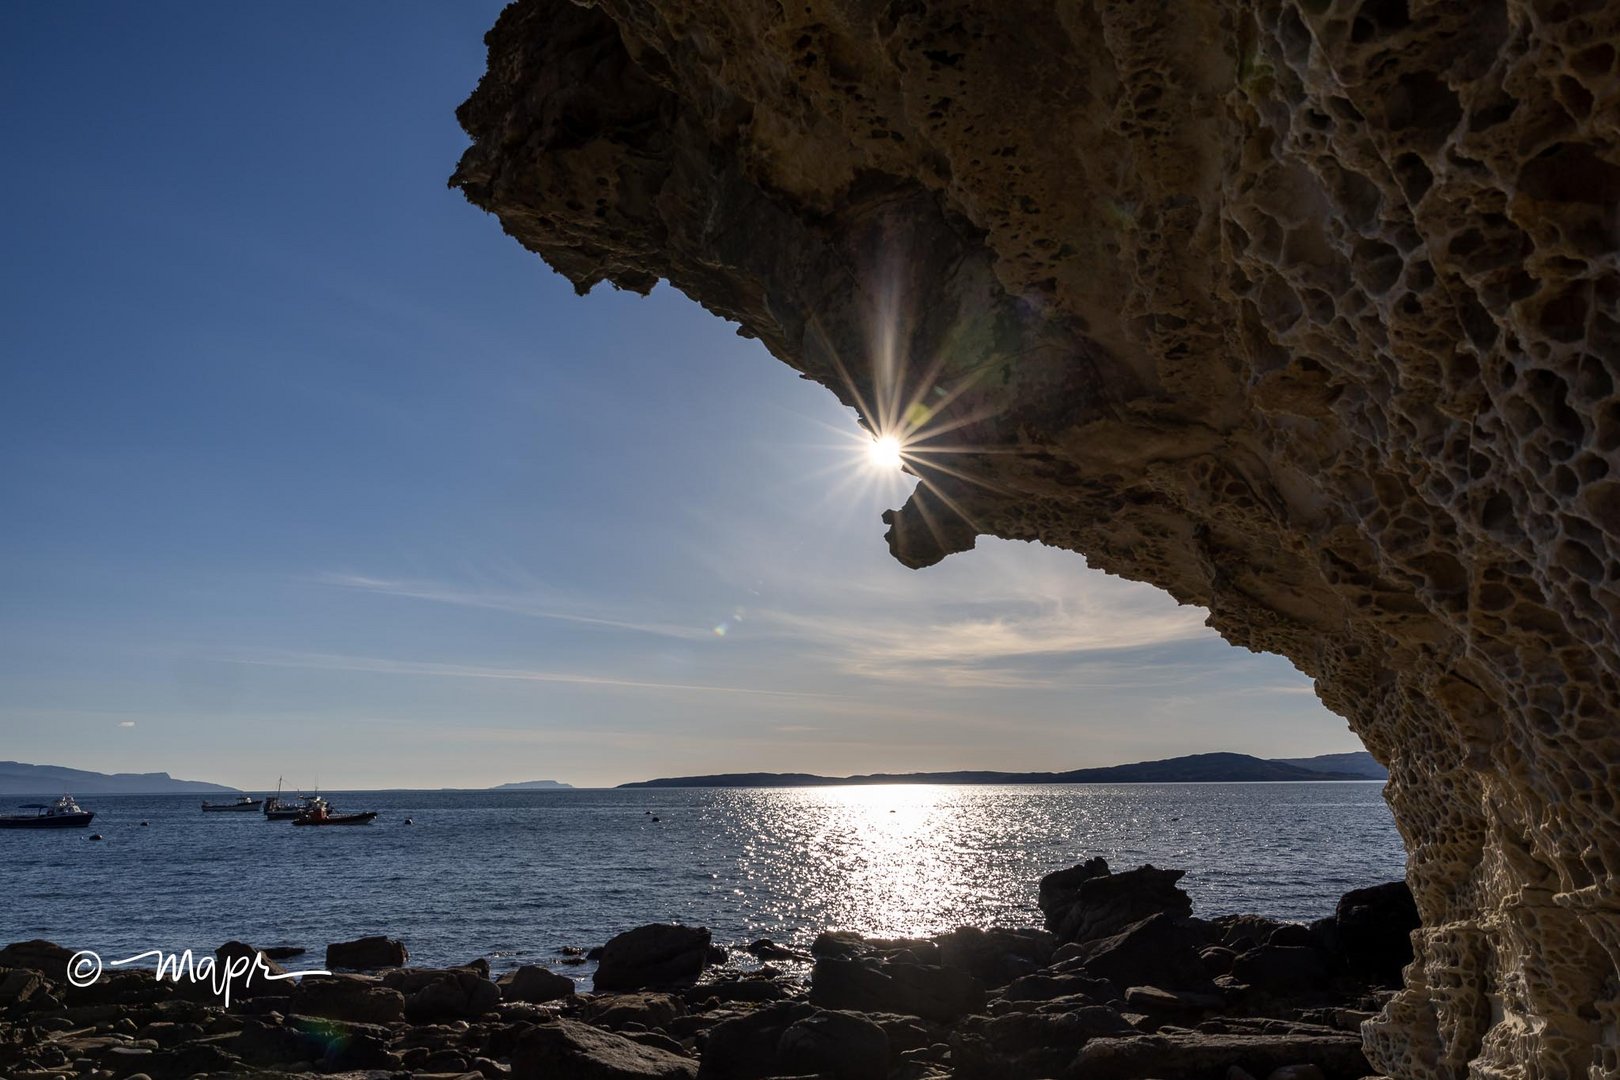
1305, 312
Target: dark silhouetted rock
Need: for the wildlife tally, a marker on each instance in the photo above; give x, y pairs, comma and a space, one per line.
661, 954
1281, 970
1374, 931
838, 1045
17, 985
995, 957
1087, 902
875, 984
794, 1039
1047, 986
367, 952
1158, 951
570, 1050
457, 994
766, 949
535, 984
1028, 1044
45, 957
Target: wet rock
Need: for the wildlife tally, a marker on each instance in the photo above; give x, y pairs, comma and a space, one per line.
661, 954
535, 984
348, 997
284, 952
1374, 931
568, 1048
766, 949
1196, 1055
367, 952
1087, 902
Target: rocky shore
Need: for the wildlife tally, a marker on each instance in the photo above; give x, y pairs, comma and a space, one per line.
1122, 982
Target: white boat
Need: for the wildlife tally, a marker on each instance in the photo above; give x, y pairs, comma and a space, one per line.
63, 814
246, 803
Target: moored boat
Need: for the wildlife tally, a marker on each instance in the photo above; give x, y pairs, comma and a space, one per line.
246, 803
290, 809
278, 809
62, 814
321, 814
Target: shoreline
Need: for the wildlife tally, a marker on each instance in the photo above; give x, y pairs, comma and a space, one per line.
1122, 977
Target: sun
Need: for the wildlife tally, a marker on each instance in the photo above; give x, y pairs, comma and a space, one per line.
884, 453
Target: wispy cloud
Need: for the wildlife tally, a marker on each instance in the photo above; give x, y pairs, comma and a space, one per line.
530, 602
385, 666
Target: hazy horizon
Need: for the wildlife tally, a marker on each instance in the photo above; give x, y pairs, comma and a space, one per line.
312, 471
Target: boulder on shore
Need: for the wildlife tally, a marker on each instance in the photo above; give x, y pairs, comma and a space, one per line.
367, 952
568, 1048
1373, 931
659, 954
895, 984
1087, 902
437, 996
1158, 951
45, 957
535, 984
795, 1039
353, 998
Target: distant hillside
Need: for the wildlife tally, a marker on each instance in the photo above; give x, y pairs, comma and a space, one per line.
20, 778
1360, 763
1194, 768
531, 785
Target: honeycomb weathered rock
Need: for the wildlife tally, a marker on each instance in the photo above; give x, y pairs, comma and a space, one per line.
1306, 311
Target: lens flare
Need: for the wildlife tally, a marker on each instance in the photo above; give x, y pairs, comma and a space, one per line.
884, 453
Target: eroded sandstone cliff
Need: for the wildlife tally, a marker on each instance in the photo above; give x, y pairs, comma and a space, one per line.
1303, 310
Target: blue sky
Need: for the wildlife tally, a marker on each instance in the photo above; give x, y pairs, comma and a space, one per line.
307, 469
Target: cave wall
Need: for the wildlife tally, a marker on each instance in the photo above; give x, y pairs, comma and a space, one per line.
1303, 310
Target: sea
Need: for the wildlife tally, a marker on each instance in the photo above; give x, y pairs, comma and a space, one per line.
517, 877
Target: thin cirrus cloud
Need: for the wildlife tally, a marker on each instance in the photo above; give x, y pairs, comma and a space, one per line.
386, 666
530, 602
1016, 626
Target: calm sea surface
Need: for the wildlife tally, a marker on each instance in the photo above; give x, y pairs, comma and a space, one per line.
514, 875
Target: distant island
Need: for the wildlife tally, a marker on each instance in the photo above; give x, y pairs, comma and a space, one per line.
1195, 768
531, 785
21, 778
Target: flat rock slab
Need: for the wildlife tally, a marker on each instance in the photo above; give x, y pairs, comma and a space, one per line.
1195, 1055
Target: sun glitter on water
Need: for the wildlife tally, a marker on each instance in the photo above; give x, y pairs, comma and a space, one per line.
884, 453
